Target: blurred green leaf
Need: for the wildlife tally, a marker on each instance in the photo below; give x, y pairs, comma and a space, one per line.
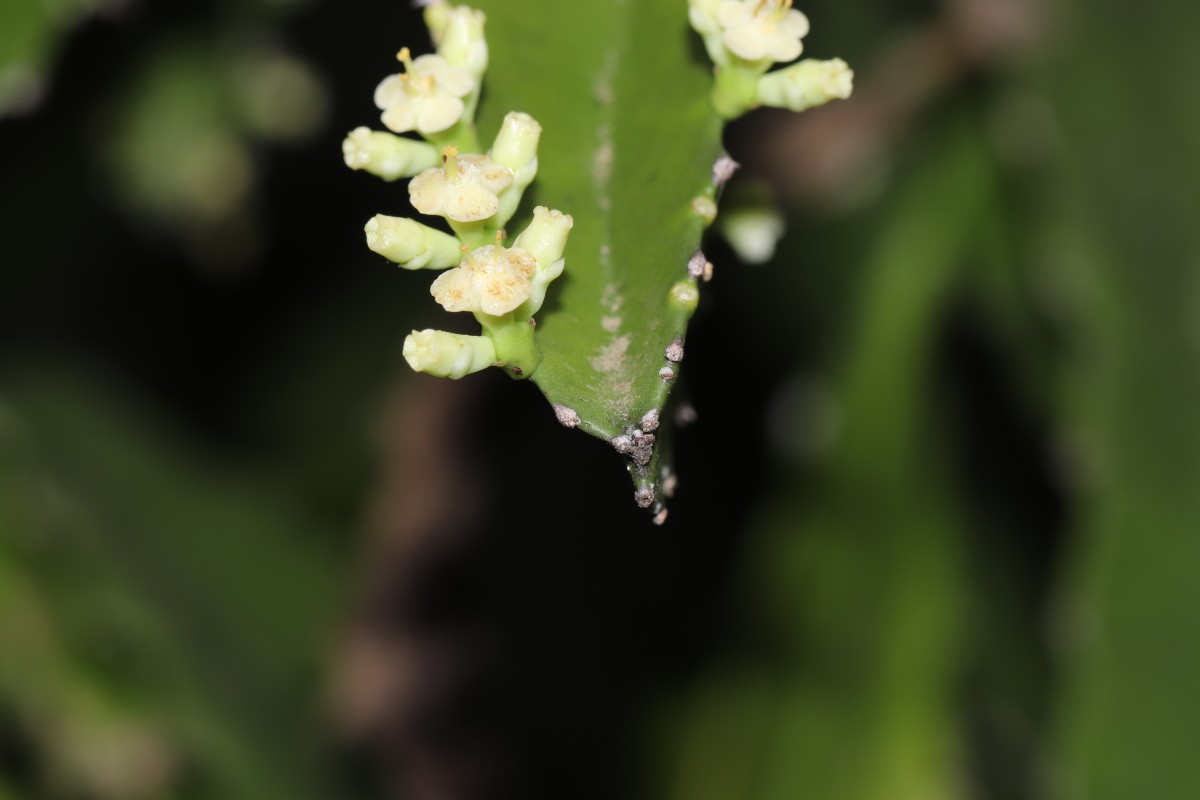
177, 599
1131, 438
847, 688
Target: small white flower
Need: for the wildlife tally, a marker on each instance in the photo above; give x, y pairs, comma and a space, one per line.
426, 97
464, 189
492, 279
759, 29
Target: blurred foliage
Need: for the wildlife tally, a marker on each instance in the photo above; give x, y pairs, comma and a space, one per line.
933, 535
181, 154
145, 654
29, 41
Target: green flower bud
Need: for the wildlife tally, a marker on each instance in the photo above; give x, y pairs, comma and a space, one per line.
546, 236
516, 148
461, 41
448, 355
437, 16
806, 84
517, 142
386, 155
411, 244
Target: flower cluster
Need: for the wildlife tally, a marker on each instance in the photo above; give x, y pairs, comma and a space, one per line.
475, 193
745, 38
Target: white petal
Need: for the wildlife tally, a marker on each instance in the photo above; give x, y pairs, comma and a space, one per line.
746, 41
470, 203
438, 113
389, 91
795, 24
457, 82
732, 12
781, 47
400, 117
454, 291
427, 191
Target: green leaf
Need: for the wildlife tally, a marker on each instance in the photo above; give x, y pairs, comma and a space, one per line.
621, 90
1127, 633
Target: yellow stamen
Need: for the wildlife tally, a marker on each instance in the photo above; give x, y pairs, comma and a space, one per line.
450, 159
405, 58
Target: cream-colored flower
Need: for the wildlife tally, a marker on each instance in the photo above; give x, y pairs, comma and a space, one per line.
464, 189
426, 97
762, 29
492, 279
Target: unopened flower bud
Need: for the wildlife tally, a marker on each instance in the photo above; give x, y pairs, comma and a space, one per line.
386, 155
806, 84
516, 148
448, 355
461, 41
437, 16
517, 142
546, 236
411, 244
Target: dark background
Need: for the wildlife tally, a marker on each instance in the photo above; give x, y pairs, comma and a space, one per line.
935, 529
